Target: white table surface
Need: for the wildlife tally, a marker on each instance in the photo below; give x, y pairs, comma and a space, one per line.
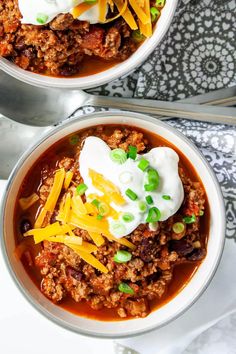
24, 331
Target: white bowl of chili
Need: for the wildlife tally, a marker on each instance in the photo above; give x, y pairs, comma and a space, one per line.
100, 72
212, 226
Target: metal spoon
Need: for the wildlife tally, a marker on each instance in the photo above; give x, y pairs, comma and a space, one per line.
15, 138
42, 107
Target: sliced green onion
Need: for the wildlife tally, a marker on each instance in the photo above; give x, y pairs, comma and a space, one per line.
118, 229
41, 18
103, 208
189, 219
153, 180
118, 156
127, 217
142, 206
166, 197
81, 188
153, 176
149, 187
131, 194
74, 139
90, 1
143, 164
201, 213
99, 217
125, 177
132, 152
154, 13
153, 226
154, 215
125, 288
137, 36
95, 202
149, 199
122, 256
178, 227
160, 3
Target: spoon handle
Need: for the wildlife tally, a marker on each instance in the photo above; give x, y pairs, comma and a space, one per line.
205, 113
15, 138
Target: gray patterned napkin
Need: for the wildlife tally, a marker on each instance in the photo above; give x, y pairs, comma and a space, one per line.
197, 55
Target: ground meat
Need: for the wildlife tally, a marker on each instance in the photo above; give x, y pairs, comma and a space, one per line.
59, 47
156, 253
137, 308
122, 139
62, 22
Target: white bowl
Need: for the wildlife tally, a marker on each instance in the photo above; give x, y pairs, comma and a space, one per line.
106, 76
179, 303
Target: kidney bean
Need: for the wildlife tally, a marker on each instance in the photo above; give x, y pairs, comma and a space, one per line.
182, 247
197, 255
148, 250
74, 273
25, 226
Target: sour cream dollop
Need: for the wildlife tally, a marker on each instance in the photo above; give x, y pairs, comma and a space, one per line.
40, 12
95, 155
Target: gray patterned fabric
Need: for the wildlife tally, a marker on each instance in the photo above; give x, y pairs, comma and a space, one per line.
197, 55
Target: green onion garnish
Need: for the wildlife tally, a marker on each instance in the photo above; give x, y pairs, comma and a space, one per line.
74, 139
41, 18
125, 288
118, 229
153, 180
99, 217
153, 226
189, 219
127, 217
81, 188
178, 227
201, 212
122, 256
90, 1
132, 152
160, 3
95, 202
103, 208
154, 214
118, 156
149, 199
143, 164
131, 194
154, 13
142, 206
166, 197
137, 36
150, 187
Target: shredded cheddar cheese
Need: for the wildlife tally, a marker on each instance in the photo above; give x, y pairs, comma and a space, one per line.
97, 238
81, 8
146, 29
136, 13
52, 198
102, 10
106, 187
74, 213
68, 179
127, 15
90, 259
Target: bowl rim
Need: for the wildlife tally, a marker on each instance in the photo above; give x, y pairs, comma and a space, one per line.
120, 70
40, 309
